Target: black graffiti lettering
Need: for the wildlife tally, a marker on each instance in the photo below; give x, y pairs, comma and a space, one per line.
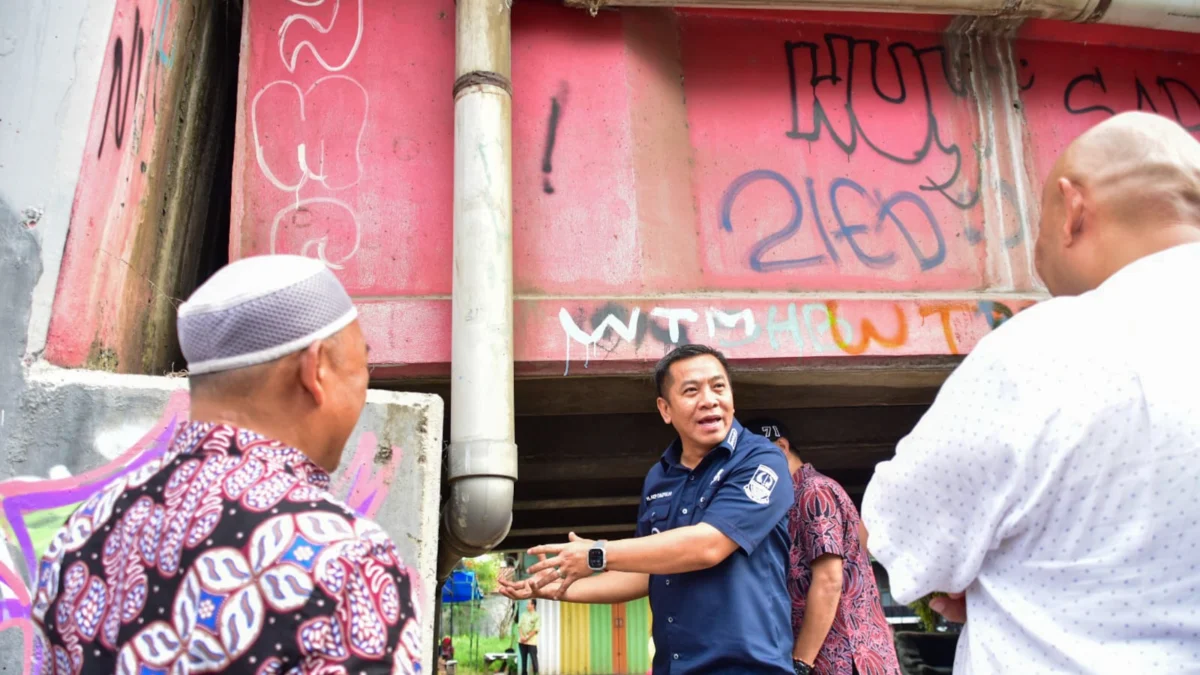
1028, 83
1143, 97
118, 99
1097, 80
551, 134
1177, 92
1169, 83
905, 58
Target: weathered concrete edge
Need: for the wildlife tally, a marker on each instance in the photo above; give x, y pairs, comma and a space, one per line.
431, 409
60, 49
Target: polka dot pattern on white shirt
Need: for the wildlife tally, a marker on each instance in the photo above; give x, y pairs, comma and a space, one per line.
1056, 479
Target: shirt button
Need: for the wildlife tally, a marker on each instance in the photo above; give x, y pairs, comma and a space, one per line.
692, 478
670, 619
668, 582
675, 656
685, 512
702, 500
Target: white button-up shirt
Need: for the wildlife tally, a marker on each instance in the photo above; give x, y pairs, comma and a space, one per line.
1056, 479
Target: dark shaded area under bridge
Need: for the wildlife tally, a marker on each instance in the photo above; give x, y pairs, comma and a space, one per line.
586, 442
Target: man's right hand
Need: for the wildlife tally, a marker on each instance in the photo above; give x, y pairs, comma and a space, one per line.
953, 606
545, 584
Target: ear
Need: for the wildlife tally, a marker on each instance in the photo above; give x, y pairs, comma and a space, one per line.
314, 371
664, 409
1072, 210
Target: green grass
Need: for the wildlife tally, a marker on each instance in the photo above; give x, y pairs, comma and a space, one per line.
470, 657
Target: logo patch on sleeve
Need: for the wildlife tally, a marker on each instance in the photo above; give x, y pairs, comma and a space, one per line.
762, 484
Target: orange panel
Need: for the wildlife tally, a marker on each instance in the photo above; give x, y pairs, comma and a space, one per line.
619, 662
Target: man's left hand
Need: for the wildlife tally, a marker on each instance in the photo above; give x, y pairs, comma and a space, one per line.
570, 560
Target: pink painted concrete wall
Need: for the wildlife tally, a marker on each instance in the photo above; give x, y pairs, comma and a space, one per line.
93, 300
782, 185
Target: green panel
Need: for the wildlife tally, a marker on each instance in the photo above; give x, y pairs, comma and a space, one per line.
601, 638
637, 635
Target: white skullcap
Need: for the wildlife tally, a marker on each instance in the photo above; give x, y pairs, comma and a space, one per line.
260, 309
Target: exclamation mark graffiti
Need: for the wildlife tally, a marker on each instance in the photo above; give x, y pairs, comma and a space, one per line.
551, 134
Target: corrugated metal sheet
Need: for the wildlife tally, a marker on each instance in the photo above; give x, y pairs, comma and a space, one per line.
575, 654
577, 639
637, 635
550, 637
600, 638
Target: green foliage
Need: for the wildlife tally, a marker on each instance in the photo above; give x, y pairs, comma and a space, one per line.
470, 656
929, 618
487, 570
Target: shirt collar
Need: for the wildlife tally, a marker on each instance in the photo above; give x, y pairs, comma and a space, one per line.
674, 452
1157, 263
224, 439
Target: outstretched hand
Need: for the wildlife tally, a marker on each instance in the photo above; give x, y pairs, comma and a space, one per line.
542, 585
569, 564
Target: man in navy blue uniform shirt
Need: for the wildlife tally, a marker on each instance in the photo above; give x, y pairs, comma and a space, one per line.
712, 543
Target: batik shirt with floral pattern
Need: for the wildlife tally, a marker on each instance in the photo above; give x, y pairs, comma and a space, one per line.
824, 522
226, 555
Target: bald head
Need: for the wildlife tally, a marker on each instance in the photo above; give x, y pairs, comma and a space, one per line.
1126, 188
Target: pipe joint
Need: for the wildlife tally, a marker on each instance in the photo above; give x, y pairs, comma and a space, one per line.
479, 78
484, 457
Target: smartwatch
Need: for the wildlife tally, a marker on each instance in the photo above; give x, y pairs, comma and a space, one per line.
597, 559
801, 668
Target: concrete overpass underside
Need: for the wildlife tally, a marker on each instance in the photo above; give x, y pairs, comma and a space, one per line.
585, 443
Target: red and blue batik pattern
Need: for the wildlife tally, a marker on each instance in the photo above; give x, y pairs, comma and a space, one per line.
824, 521
227, 555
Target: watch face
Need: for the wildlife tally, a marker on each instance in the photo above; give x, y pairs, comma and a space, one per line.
596, 559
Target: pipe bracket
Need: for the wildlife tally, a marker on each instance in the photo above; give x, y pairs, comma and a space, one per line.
484, 457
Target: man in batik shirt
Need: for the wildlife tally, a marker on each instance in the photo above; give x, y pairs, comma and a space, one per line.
837, 617
228, 554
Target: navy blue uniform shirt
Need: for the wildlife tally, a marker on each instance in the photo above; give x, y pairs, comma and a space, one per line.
735, 617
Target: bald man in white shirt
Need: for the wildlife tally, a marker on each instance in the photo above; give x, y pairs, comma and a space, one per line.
1053, 488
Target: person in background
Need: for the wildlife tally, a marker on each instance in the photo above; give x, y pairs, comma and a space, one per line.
711, 546
446, 651
228, 554
527, 640
837, 615
1051, 486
